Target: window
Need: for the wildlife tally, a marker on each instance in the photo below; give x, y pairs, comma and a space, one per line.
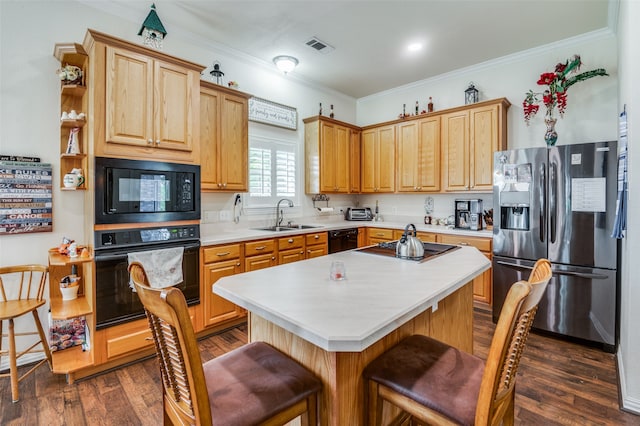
272, 171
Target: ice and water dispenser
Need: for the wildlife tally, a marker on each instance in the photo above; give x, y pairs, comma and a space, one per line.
515, 197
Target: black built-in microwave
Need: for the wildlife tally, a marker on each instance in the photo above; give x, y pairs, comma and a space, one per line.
134, 191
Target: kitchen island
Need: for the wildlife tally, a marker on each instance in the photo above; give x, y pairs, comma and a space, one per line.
336, 328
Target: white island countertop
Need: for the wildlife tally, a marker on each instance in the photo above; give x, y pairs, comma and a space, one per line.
379, 295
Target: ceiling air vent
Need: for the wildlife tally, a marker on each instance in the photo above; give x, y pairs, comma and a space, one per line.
319, 45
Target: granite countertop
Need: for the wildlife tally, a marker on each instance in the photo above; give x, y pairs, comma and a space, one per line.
380, 294
217, 234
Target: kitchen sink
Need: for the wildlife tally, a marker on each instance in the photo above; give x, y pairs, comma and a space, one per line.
285, 228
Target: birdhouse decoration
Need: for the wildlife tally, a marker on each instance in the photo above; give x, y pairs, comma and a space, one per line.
152, 30
471, 95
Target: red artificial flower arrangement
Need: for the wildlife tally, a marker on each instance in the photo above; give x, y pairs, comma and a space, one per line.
556, 94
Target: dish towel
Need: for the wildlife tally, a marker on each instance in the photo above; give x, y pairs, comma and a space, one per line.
163, 266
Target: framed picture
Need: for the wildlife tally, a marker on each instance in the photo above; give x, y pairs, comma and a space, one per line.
267, 112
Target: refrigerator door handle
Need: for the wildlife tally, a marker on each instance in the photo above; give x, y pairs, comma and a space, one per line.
543, 201
581, 275
514, 265
552, 202
555, 272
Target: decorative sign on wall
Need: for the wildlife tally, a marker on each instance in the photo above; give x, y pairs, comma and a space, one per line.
264, 111
25, 196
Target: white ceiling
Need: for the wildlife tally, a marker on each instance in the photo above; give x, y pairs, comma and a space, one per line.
370, 37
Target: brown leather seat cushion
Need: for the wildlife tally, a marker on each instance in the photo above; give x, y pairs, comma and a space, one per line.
254, 382
432, 373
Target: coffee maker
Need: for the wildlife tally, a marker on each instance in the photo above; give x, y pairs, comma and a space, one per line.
468, 214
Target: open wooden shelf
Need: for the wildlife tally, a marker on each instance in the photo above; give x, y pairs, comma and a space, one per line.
67, 309
71, 359
73, 89
72, 123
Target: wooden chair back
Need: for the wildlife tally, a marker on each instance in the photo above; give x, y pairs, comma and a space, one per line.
185, 393
497, 390
23, 282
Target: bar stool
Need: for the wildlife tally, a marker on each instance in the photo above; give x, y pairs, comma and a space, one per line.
251, 385
438, 384
21, 292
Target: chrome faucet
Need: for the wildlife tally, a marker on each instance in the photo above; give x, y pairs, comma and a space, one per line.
279, 213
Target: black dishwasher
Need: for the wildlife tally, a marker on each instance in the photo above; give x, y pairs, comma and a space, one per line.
343, 239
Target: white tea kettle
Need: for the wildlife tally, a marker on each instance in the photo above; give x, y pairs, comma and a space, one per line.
410, 246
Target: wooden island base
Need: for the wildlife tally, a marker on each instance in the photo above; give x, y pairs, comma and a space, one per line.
342, 400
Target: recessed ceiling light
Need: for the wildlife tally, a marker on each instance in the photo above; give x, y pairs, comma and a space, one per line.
414, 47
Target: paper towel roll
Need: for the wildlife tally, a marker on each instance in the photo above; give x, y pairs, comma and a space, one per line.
326, 209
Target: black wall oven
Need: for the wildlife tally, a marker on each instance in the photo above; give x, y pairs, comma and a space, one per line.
116, 303
134, 191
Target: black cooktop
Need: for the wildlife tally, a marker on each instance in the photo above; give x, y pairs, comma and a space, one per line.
389, 249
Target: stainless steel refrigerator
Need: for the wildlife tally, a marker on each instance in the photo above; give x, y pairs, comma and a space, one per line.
559, 203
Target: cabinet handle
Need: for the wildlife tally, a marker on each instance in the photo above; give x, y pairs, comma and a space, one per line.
379, 234
301, 251
316, 236
238, 264
309, 251
224, 185
150, 141
462, 243
290, 240
225, 253
157, 141
273, 258
261, 248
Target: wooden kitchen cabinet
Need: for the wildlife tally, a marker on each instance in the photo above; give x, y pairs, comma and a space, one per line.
378, 159
418, 160
73, 97
219, 261
147, 101
291, 249
378, 235
329, 155
470, 136
316, 244
482, 285
259, 255
224, 138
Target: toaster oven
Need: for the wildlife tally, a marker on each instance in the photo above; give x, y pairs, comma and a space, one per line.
363, 213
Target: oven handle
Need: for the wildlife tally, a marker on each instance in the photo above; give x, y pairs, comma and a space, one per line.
123, 253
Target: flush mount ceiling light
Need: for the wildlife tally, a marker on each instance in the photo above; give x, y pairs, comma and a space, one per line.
285, 63
414, 47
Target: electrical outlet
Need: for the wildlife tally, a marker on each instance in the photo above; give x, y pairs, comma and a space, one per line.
211, 216
225, 215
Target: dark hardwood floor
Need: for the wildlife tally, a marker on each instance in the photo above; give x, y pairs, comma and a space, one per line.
559, 383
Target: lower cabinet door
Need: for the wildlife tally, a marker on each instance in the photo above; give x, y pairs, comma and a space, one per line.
218, 309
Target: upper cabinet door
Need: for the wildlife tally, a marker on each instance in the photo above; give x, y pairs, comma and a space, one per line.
129, 98
175, 90
234, 143
378, 159
408, 157
429, 154
455, 143
485, 140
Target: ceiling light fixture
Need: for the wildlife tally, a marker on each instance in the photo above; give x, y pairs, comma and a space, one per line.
413, 47
285, 63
